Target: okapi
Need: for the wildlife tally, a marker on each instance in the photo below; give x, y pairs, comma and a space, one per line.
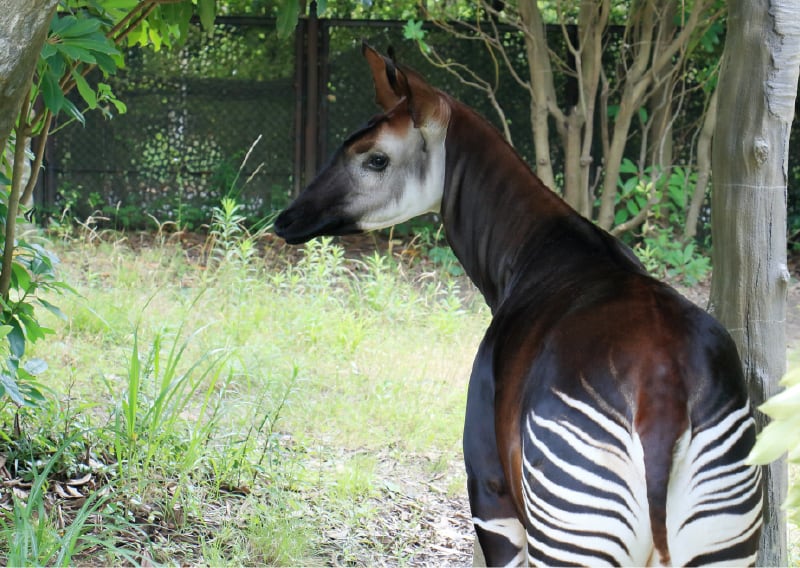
607, 419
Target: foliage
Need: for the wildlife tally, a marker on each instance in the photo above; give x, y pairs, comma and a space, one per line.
33, 275
427, 240
612, 78
193, 111
83, 35
34, 539
665, 256
660, 198
781, 435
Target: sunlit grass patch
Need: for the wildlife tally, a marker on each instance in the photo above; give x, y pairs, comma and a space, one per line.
245, 412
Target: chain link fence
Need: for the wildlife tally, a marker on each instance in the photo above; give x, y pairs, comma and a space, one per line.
194, 113
192, 116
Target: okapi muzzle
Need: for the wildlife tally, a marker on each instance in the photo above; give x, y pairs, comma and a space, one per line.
321, 209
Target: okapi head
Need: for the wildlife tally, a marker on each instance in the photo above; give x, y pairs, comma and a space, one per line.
387, 172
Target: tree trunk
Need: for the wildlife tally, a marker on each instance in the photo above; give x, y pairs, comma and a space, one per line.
543, 99
757, 90
23, 29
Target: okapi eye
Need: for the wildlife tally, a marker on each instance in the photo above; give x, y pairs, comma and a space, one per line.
377, 162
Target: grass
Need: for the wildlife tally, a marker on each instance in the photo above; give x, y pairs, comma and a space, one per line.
209, 405
241, 411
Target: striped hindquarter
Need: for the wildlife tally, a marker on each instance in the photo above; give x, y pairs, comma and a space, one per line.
586, 498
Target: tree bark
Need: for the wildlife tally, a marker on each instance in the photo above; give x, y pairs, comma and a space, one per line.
703, 168
23, 30
757, 90
543, 98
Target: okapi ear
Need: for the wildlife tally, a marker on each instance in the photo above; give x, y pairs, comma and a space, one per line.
388, 90
393, 84
424, 103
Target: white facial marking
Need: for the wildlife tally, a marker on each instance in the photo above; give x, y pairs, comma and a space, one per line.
412, 184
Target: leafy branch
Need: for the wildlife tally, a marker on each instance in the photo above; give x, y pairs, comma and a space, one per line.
84, 35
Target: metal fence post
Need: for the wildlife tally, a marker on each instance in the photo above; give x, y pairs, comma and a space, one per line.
311, 130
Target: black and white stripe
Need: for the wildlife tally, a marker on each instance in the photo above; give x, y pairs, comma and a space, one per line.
714, 507
586, 493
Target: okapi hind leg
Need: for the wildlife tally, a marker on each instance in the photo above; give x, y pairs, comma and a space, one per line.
501, 536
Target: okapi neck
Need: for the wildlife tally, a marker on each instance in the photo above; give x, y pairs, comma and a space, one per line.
493, 206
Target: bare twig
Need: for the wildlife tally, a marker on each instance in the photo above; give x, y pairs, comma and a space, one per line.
37, 163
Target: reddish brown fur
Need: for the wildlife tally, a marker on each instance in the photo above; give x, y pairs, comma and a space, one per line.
574, 312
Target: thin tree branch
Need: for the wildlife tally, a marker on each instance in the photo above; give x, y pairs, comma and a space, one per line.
37, 163
13, 198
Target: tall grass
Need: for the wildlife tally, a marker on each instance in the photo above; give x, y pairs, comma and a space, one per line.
242, 408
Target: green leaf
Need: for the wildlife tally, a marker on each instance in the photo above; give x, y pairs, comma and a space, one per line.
76, 53
52, 309
207, 10
33, 396
84, 89
107, 64
57, 65
33, 330
20, 278
774, 441
413, 31
48, 51
628, 167
35, 366
11, 388
97, 43
79, 27
288, 14
784, 405
73, 111
59, 24
51, 92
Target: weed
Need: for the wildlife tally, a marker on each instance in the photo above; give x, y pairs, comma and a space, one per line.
155, 417
231, 242
36, 536
664, 256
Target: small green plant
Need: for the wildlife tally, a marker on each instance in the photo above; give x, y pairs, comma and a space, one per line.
666, 256
659, 200
32, 276
320, 268
32, 532
231, 241
150, 418
430, 239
